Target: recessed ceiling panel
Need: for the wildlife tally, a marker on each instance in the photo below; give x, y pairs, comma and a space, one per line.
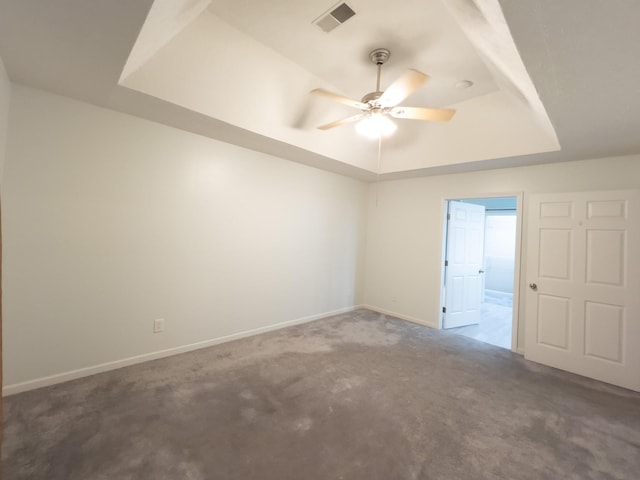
252, 65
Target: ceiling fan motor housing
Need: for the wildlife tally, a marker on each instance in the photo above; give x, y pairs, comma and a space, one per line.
371, 98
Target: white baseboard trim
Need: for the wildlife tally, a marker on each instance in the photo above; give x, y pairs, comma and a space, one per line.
400, 316
125, 362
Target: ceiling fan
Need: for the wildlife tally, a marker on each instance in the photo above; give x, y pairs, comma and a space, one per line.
378, 106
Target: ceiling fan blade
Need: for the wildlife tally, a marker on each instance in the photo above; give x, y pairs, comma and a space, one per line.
403, 87
419, 113
340, 98
344, 121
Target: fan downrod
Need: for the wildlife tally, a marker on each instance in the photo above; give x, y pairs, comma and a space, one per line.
378, 57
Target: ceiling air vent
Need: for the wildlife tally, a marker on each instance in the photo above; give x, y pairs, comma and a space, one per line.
338, 14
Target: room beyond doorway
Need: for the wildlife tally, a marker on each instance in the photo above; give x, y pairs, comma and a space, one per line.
479, 268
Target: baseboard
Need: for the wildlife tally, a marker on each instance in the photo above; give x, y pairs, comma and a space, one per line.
400, 316
125, 362
498, 291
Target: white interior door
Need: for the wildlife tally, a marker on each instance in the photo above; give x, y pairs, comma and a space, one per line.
583, 268
463, 264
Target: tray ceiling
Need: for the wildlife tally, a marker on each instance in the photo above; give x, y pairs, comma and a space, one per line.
241, 71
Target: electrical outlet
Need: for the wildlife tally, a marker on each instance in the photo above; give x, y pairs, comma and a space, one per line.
158, 325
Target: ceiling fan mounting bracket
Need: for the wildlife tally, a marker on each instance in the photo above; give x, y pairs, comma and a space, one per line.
379, 56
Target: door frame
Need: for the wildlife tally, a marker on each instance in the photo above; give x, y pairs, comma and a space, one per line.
515, 317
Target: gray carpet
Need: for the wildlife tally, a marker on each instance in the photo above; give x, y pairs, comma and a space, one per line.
357, 396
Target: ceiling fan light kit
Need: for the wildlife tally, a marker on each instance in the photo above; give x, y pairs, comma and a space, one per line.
376, 125
378, 106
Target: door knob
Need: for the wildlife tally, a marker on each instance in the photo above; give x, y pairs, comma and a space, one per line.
480, 271
533, 286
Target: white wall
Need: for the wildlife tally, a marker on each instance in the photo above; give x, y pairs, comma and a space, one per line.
5, 100
500, 251
405, 220
111, 221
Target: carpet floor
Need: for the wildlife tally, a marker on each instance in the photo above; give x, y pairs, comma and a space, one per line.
356, 396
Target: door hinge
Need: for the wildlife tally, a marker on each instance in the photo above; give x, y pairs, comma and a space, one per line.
448, 216
446, 263
444, 309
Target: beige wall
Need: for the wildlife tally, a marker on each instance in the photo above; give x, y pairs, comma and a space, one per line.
111, 221
5, 99
405, 223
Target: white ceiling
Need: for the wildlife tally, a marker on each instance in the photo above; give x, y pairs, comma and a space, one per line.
241, 70
421, 35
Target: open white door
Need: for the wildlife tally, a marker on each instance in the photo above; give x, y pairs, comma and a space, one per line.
463, 264
583, 300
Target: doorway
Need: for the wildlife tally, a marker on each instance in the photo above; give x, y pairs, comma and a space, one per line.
480, 269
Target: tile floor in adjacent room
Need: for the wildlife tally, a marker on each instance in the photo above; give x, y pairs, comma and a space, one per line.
495, 323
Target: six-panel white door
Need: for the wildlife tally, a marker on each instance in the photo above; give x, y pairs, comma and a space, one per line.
464, 264
583, 269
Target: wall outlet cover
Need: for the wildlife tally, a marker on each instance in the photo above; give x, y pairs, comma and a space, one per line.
158, 325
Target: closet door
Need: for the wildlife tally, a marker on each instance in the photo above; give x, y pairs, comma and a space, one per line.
583, 269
